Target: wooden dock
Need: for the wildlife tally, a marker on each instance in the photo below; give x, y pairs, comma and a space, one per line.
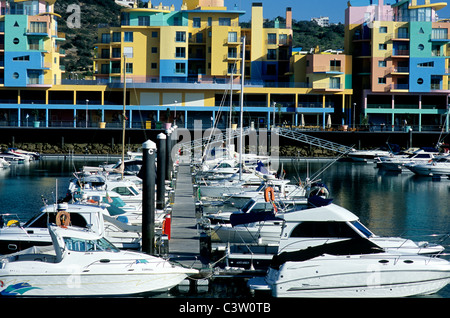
184, 245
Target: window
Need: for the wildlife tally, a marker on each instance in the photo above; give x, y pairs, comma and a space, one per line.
38, 27
16, 41
15, 75
402, 33
209, 21
154, 34
271, 54
272, 38
383, 29
128, 36
180, 36
232, 53
154, 65
232, 37
116, 37
381, 63
324, 229
382, 46
33, 44
180, 68
381, 80
154, 49
335, 66
81, 245
335, 83
196, 22
436, 82
106, 38
439, 34
427, 64
104, 69
128, 51
199, 37
420, 81
129, 68
225, 21
176, 21
180, 52
21, 58
105, 54
232, 68
362, 229
283, 40
420, 47
116, 53
144, 21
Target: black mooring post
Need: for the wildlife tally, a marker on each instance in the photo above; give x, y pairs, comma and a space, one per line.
161, 171
148, 197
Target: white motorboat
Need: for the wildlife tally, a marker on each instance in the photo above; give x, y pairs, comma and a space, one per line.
282, 191
317, 224
127, 190
440, 166
16, 236
397, 162
353, 268
82, 263
367, 155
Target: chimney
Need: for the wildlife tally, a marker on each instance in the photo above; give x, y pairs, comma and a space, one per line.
289, 18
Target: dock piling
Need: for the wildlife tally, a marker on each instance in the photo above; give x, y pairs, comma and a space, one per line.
148, 197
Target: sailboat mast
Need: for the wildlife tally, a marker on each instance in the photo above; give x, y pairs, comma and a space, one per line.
242, 108
124, 112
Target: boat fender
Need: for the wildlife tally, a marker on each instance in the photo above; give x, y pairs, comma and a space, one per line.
269, 194
63, 219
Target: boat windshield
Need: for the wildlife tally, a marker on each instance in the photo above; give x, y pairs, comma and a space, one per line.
247, 206
82, 245
364, 230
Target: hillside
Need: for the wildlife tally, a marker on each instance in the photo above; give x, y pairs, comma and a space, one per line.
80, 42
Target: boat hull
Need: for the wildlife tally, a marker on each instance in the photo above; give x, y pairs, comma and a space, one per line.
359, 276
85, 284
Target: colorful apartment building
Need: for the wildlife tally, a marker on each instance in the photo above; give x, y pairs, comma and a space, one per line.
401, 54
177, 66
29, 44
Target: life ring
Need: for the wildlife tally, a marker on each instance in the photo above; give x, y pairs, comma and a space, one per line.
269, 194
63, 219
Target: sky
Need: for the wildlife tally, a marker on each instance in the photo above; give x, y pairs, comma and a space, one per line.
301, 9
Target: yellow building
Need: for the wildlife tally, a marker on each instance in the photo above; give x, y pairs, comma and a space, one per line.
178, 66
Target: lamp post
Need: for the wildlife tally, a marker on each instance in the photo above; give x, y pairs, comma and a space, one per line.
175, 116
87, 104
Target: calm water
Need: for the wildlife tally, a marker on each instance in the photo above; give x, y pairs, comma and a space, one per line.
389, 204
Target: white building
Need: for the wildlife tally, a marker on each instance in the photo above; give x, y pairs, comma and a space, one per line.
322, 21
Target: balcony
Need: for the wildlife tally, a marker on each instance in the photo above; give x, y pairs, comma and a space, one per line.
328, 69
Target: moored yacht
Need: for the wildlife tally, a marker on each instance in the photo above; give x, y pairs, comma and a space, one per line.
353, 268
82, 263
310, 225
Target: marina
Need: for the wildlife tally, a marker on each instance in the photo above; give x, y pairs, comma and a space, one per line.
390, 204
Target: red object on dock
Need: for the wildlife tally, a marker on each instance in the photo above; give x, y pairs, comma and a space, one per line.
166, 225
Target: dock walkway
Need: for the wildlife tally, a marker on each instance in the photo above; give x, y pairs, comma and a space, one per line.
184, 245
